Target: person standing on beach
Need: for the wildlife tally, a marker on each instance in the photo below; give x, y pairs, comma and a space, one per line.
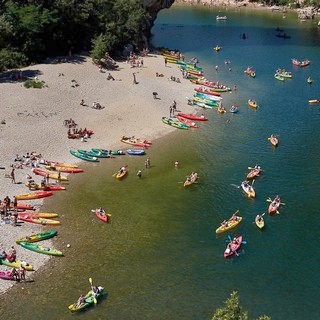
170, 111
134, 78
165, 61
13, 176
47, 178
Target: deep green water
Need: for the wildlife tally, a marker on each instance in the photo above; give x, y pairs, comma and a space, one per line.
160, 258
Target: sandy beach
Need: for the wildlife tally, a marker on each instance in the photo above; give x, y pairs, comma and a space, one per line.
34, 121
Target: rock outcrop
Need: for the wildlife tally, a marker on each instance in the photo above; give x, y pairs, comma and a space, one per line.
154, 6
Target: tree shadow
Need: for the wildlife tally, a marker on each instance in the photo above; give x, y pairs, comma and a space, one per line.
14, 76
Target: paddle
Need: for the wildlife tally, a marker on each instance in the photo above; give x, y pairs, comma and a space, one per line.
252, 183
269, 200
234, 185
93, 294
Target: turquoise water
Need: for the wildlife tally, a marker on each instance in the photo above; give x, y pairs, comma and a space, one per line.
160, 258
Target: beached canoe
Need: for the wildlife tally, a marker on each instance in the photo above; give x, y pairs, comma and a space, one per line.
259, 221
191, 179
41, 249
38, 236
193, 116
274, 205
189, 122
233, 222
51, 175
45, 187
174, 123
83, 156
208, 102
252, 104
36, 214
232, 247
102, 215
138, 142
7, 275
93, 154
273, 140
34, 195
60, 164
64, 169
192, 102
248, 189
206, 91
42, 221
136, 152
113, 152
207, 96
16, 264
254, 173
23, 206
89, 301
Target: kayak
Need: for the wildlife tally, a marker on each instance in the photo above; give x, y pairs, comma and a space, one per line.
52, 175
296, 62
273, 140
274, 205
64, 169
228, 225
207, 96
233, 109
7, 275
233, 247
89, 301
38, 236
46, 187
83, 157
16, 264
94, 154
279, 77
102, 215
193, 116
192, 102
208, 102
34, 195
304, 63
252, 103
120, 175
314, 101
191, 180
221, 109
42, 221
36, 214
41, 249
248, 189
253, 173
136, 152
190, 123
174, 123
138, 142
205, 91
60, 164
113, 152
259, 221
23, 206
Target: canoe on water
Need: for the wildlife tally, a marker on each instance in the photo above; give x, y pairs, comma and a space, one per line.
42, 221
274, 205
248, 189
229, 224
191, 179
41, 249
38, 236
193, 116
51, 175
314, 101
232, 247
34, 195
259, 221
16, 264
273, 140
102, 215
254, 173
89, 301
252, 104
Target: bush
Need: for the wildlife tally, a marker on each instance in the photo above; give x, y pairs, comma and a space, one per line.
34, 84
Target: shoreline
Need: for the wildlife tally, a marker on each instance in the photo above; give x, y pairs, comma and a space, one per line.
34, 122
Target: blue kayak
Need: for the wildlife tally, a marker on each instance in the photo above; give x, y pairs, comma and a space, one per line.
136, 152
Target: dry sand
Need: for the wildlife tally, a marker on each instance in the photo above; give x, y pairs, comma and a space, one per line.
34, 121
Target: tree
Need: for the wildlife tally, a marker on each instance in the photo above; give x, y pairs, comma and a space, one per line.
233, 311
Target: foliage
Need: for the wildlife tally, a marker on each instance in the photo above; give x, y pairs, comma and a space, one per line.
39, 28
233, 311
34, 84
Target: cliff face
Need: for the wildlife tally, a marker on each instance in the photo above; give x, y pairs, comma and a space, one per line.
154, 6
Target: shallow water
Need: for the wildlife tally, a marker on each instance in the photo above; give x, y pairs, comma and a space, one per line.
159, 258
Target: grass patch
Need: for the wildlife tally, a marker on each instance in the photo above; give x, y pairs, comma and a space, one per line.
35, 84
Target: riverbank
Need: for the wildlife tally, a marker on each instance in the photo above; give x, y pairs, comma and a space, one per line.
33, 120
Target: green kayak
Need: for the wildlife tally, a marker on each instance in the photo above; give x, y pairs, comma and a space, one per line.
89, 300
113, 152
38, 236
174, 123
92, 153
83, 157
41, 249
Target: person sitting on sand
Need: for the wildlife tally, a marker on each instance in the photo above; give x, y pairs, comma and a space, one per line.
110, 77
82, 102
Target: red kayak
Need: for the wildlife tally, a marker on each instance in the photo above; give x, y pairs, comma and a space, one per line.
232, 247
34, 195
23, 206
190, 123
102, 215
193, 116
205, 91
6, 275
274, 205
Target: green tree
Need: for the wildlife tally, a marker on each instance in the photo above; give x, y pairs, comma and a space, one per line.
233, 311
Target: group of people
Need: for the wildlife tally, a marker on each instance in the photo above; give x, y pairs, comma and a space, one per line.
96, 105
74, 133
8, 210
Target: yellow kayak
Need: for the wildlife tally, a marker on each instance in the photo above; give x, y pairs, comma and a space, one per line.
228, 225
16, 264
